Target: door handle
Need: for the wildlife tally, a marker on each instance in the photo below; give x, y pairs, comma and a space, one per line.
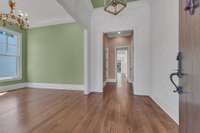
179, 74
179, 89
191, 5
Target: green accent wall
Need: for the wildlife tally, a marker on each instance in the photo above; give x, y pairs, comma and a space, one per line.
55, 54
24, 55
100, 3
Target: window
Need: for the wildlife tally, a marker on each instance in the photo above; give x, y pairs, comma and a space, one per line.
10, 55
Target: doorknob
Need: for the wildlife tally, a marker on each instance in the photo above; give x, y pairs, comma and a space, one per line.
179, 74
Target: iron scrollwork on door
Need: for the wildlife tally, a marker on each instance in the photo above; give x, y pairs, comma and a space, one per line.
191, 5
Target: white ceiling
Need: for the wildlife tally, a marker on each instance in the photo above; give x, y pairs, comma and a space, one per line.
41, 12
81, 10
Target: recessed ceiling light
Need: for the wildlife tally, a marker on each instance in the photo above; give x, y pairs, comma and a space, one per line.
119, 32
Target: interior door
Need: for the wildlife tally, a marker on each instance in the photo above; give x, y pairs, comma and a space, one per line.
190, 80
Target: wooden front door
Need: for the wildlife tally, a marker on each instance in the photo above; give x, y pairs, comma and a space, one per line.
190, 81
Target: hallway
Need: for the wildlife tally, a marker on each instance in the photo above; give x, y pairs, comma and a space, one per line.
57, 111
134, 114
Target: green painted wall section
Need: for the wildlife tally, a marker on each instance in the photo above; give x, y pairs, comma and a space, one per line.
56, 54
53, 54
24, 55
100, 3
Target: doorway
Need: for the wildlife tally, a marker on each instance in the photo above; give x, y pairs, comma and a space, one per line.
118, 57
121, 63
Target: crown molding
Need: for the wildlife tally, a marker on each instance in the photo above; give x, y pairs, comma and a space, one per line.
52, 22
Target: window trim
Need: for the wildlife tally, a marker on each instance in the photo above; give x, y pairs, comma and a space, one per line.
19, 56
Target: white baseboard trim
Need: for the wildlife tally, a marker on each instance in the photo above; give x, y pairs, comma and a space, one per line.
56, 86
104, 83
13, 87
130, 82
140, 92
86, 92
96, 91
111, 80
42, 86
165, 108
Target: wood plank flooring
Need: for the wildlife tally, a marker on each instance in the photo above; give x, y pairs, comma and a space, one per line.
59, 111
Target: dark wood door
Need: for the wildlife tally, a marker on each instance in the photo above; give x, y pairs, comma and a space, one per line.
190, 48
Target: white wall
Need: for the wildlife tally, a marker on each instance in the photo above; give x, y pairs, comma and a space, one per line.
81, 11
165, 32
135, 17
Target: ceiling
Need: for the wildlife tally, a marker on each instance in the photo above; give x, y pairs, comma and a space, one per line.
119, 34
46, 12
41, 12
100, 3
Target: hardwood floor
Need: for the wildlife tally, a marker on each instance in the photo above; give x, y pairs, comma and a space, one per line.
57, 111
